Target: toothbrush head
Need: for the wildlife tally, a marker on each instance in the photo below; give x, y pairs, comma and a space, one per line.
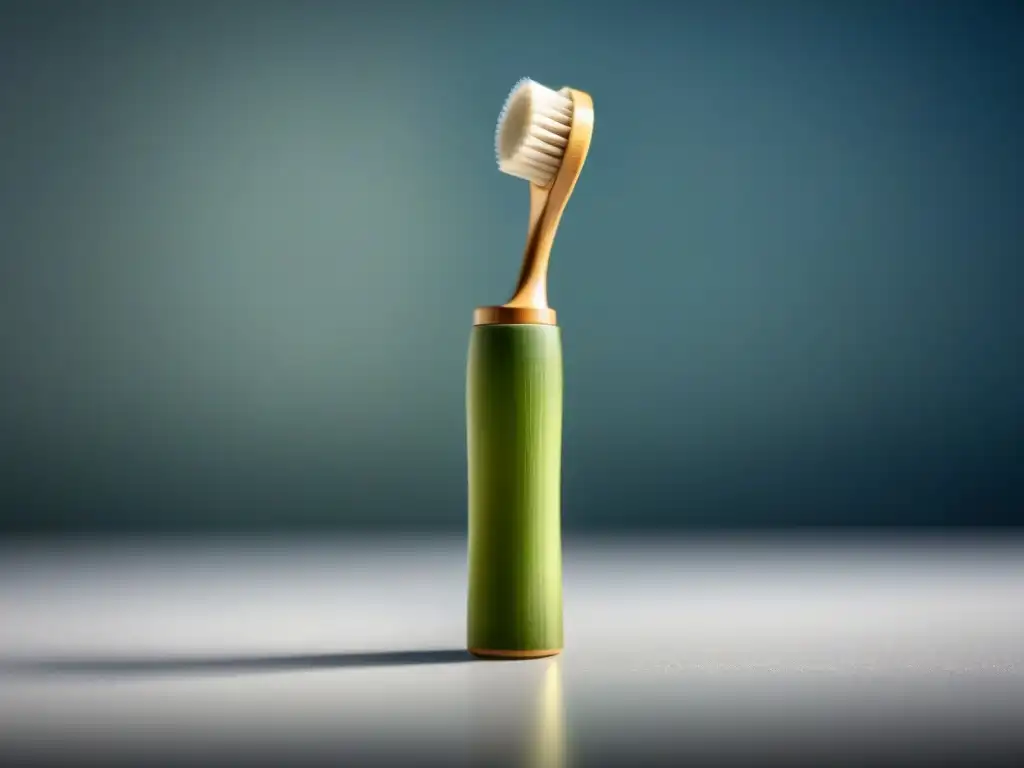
533, 132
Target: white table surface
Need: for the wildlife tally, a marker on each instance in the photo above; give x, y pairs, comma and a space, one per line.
348, 651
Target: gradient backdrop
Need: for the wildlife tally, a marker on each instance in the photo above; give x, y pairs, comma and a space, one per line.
241, 243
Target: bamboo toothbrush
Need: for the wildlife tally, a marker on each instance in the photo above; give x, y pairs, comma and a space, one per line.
514, 396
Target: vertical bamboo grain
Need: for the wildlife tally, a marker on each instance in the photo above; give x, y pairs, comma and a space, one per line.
514, 442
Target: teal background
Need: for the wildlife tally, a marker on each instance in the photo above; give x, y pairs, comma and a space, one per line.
241, 243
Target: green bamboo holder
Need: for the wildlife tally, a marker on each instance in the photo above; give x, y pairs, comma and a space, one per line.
514, 441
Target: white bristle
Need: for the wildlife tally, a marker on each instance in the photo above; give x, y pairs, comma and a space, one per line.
532, 132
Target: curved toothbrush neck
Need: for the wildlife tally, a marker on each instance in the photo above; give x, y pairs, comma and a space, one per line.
532, 288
